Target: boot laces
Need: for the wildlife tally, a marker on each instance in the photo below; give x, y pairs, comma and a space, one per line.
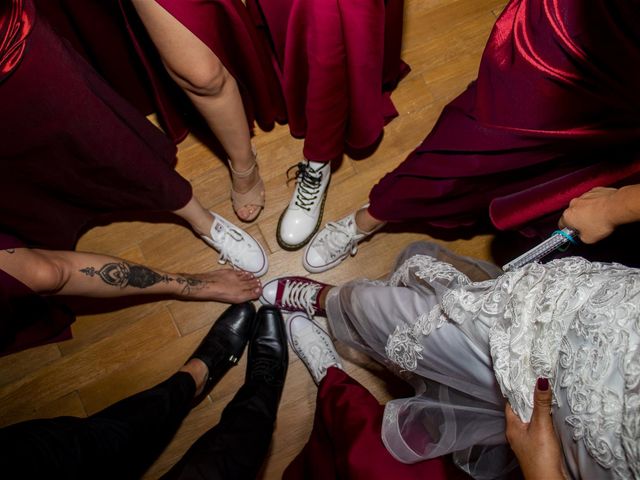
309, 182
264, 369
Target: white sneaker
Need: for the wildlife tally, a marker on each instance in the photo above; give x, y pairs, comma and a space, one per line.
236, 247
302, 217
313, 345
294, 294
333, 244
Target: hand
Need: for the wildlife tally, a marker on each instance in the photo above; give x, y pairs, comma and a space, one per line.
536, 444
591, 214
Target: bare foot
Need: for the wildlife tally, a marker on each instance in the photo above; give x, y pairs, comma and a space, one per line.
243, 184
226, 285
366, 222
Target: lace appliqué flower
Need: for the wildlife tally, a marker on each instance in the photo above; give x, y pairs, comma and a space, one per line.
572, 321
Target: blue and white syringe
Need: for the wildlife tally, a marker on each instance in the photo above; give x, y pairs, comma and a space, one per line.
555, 241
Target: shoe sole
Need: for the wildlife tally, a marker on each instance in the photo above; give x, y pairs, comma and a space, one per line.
284, 245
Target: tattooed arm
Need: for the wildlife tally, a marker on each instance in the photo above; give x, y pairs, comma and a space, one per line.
95, 275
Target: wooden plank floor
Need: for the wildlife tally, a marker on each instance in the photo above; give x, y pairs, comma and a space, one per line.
118, 353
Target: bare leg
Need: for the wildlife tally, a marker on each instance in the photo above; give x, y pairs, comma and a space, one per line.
322, 296
208, 84
366, 222
198, 217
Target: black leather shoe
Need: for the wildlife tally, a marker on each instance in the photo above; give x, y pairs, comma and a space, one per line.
222, 347
268, 351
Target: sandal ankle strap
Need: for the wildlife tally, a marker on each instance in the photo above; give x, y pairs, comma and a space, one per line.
248, 171
244, 174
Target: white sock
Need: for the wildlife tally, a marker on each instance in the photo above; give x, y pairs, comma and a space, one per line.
325, 166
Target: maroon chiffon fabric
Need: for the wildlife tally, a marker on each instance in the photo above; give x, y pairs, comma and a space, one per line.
72, 149
338, 61
27, 319
555, 111
345, 442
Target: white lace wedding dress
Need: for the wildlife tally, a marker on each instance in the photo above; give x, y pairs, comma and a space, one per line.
467, 345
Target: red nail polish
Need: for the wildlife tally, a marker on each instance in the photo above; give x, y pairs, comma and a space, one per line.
543, 384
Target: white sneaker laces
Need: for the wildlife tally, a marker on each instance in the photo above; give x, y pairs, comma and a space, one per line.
232, 246
320, 359
300, 295
339, 239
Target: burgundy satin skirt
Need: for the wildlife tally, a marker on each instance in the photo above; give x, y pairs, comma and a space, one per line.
555, 112
227, 28
325, 67
338, 62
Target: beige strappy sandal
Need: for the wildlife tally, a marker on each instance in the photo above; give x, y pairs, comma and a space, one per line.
254, 197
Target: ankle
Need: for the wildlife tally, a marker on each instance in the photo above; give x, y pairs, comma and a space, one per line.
198, 371
243, 169
244, 160
203, 225
365, 223
322, 296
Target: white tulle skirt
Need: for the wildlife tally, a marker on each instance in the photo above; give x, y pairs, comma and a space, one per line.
448, 353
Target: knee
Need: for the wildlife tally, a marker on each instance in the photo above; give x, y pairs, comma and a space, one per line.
206, 79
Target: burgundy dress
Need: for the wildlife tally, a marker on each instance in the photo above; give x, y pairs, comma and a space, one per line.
345, 441
72, 149
555, 111
26, 318
338, 61
226, 27
334, 69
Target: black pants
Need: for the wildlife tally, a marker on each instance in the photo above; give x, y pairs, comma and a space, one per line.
123, 440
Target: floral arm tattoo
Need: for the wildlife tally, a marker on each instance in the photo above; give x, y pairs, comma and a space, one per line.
123, 274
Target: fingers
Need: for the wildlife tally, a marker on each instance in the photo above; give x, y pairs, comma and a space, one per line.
597, 191
562, 223
514, 424
510, 414
542, 399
